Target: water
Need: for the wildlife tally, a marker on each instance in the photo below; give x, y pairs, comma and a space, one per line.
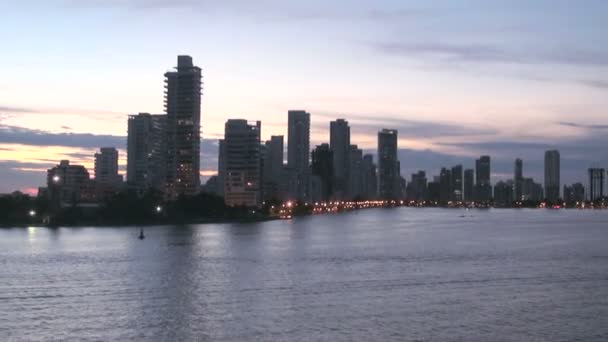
375, 275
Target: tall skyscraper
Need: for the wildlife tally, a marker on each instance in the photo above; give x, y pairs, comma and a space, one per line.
445, 185
242, 166
518, 179
417, 188
596, 183
483, 187
339, 142
457, 183
183, 107
146, 152
322, 167
273, 167
106, 167
370, 177
298, 154
388, 173
355, 173
552, 170
503, 194
469, 185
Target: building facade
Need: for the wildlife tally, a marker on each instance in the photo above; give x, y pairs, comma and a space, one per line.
183, 108
298, 155
339, 142
552, 175
388, 164
146, 152
242, 167
596, 183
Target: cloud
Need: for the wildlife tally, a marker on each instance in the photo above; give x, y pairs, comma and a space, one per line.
459, 53
8, 110
371, 124
577, 125
21, 135
600, 84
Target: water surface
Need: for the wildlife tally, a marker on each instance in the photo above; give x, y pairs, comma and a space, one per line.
375, 275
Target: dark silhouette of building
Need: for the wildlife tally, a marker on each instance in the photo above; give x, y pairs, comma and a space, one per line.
388, 172
69, 184
596, 183
552, 173
469, 185
273, 168
445, 185
339, 141
503, 194
183, 107
483, 187
243, 176
417, 187
574, 194
456, 183
434, 190
107, 179
323, 168
298, 154
531, 191
370, 177
146, 152
355, 172
518, 179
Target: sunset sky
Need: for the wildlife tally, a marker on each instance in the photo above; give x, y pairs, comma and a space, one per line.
457, 78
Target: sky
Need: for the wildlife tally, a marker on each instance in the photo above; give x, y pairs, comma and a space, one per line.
457, 79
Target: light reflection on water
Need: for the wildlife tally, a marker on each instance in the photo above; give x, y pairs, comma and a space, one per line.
401, 274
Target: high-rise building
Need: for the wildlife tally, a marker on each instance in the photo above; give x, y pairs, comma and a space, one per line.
552, 170
242, 166
339, 142
106, 167
322, 168
273, 167
107, 180
370, 177
574, 194
417, 188
388, 173
531, 191
503, 194
298, 154
146, 152
445, 185
355, 174
434, 190
183, 107
456, 183
483, 187
69, 184
469, 185
596, 183
517, 179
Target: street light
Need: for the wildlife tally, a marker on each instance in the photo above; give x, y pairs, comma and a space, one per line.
159, 208
32, 213
56, 178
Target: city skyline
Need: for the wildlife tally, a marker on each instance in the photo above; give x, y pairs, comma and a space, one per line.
513, 92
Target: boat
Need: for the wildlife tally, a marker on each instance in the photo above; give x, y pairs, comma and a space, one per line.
141, 234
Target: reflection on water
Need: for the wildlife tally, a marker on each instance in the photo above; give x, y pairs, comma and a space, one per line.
402, 274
